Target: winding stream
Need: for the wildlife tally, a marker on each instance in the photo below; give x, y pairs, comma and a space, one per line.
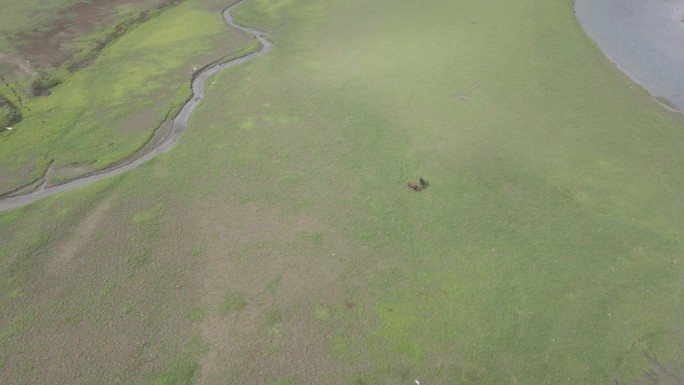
644, 38
180, 123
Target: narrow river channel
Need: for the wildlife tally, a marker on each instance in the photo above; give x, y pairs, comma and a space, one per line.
644, 38
180, 123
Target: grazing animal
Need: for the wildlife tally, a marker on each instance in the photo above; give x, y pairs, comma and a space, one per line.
413, 186
423, 183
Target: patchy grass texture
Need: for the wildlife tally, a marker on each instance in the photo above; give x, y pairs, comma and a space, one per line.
547, 248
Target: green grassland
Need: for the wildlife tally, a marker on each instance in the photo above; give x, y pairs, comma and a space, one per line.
278, 243
109, 110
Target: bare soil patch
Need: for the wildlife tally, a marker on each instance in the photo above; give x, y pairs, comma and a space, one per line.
14, 66
54, 46
260, 254
93, 315
62, 174
59, 264
662, 373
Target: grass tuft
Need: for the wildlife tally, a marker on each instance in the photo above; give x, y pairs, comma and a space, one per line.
232, 302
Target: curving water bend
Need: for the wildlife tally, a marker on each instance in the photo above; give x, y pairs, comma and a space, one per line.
180, 123
644, 38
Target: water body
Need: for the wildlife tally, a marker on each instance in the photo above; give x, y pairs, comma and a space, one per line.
644, 38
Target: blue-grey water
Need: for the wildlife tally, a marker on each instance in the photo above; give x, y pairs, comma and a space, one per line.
644, 38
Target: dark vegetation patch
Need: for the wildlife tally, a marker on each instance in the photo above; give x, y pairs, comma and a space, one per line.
46, 80
9, 113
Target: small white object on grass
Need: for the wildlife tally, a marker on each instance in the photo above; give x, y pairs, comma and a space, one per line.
9, 128
416, 381
194, 68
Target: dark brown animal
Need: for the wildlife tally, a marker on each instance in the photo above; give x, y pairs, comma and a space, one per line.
423, 183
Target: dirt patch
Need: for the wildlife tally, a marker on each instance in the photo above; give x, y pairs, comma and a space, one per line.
27, 189
53, 47
66, 173
12, 66
95, 317
283, 275
662, 373
58, 265
142, 120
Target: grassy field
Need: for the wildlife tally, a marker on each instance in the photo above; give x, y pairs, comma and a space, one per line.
109, 110
277, 243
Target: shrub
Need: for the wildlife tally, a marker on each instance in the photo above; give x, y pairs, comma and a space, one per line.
41, 86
